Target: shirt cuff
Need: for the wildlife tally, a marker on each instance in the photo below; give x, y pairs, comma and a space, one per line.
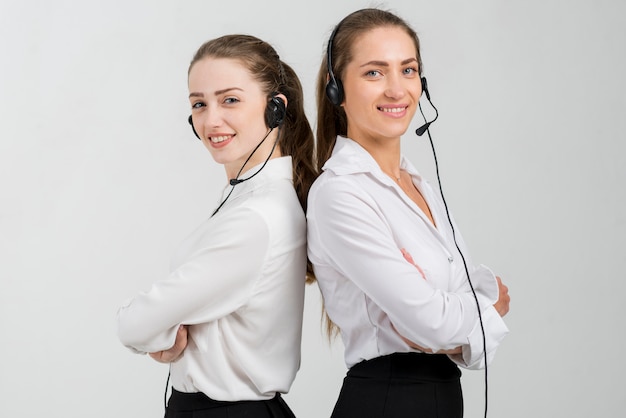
495, 330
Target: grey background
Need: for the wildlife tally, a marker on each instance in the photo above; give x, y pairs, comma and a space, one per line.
101, 178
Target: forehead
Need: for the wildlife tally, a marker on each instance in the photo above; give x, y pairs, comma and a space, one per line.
387, 43
219, 73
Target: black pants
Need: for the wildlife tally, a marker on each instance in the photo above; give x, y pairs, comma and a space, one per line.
402, 385
198, 405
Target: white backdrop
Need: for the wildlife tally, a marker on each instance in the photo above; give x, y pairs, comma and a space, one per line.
101, 178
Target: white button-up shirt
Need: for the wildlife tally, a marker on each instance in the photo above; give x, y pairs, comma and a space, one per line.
359, 221
238, 281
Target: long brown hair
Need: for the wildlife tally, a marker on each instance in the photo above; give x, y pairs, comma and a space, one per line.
331, 119
295, 137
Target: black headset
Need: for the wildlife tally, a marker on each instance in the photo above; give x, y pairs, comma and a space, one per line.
334, 87
275, 113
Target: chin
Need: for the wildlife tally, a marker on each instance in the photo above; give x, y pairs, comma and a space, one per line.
219, 157
395, 133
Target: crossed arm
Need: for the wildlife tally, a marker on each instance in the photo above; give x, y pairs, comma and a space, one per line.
501, 306
172, 354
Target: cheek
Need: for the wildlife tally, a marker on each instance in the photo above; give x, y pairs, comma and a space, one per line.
250, 122
357, 98
417, 92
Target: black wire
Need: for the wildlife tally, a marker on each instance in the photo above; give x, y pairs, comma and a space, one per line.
480, 317
167, 383
223, 201
237, 180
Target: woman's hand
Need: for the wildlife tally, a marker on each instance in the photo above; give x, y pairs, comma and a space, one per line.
408, 258
456, 350
168, 356
502, 305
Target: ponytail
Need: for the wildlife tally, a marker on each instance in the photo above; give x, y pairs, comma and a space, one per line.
296, 137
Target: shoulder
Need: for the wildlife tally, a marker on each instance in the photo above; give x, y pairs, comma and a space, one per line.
331, 192
236, 222
274, 205
274, 199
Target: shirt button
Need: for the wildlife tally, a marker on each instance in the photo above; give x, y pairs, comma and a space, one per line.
450, 260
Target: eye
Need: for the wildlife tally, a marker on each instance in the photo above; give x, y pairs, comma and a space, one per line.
372, 73
231, 100
197, 105
410, 71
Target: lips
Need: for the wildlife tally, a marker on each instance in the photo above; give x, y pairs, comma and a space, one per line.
220, 140
393, 109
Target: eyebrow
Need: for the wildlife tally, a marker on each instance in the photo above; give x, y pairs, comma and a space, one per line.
217, 92
386, 64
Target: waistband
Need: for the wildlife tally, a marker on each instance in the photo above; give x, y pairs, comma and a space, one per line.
183, 401
411, 366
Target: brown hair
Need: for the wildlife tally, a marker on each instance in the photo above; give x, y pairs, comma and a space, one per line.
331, 119
295, 137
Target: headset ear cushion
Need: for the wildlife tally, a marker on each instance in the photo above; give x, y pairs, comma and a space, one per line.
190, 120
334, 91
275, 112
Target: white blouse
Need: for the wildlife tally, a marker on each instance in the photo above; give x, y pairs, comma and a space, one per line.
359, 222
238, 281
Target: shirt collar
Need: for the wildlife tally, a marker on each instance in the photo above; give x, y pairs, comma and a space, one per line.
349, 157
279, 168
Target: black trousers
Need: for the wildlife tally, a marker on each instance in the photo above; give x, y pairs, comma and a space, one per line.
402, 385
198, 405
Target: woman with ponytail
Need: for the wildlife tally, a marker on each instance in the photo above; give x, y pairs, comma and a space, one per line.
228, 318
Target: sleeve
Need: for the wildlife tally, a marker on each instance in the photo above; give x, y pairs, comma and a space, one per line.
215, 280
493, 326
357, 241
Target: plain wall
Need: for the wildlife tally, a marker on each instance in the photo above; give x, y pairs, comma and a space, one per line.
101, 178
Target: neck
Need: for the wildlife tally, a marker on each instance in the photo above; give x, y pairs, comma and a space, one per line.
386, 153
266, 150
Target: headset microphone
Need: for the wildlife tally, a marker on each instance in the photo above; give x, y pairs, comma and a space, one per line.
420, 131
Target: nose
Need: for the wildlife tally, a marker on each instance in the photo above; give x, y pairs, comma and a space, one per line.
395, 88
211, 117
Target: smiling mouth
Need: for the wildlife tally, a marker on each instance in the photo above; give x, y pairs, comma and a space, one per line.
392, 109
219, 139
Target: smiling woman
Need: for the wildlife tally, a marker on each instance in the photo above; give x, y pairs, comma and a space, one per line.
214, 318
228, 107
382, 88
385, 254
